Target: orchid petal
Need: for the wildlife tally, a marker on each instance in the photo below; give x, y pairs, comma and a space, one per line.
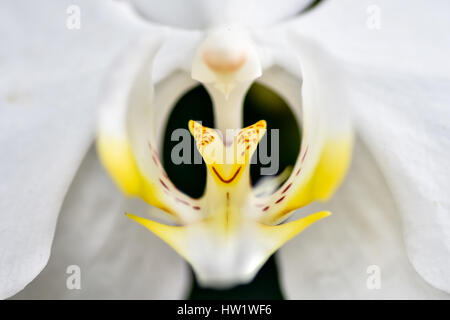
364, 234
203, 14
399, 105
409, 43
410, 141
49, 81
116, 260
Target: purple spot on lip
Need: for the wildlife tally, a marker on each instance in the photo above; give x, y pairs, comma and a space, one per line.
155, 160
304, 154
287, 188
164, 185
281, 199
182, 201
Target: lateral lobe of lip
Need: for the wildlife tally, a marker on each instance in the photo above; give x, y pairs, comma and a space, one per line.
226, 180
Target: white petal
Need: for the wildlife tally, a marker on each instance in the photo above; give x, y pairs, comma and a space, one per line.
412, 34
48, 85
117, 258
404, 121
400, 83
331, 260
200, 14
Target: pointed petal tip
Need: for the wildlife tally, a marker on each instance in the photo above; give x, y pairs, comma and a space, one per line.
286, 231
142, 221
301, 224
130, 215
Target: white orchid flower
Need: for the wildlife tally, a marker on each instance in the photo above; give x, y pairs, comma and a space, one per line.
392, 210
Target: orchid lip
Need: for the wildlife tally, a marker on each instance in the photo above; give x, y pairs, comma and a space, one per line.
229, 218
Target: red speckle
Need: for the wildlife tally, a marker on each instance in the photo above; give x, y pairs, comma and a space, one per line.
155, 160
287, 188
182, 201
298, 171
196, 207
281, 199
304, 154
265, 208
164, 185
